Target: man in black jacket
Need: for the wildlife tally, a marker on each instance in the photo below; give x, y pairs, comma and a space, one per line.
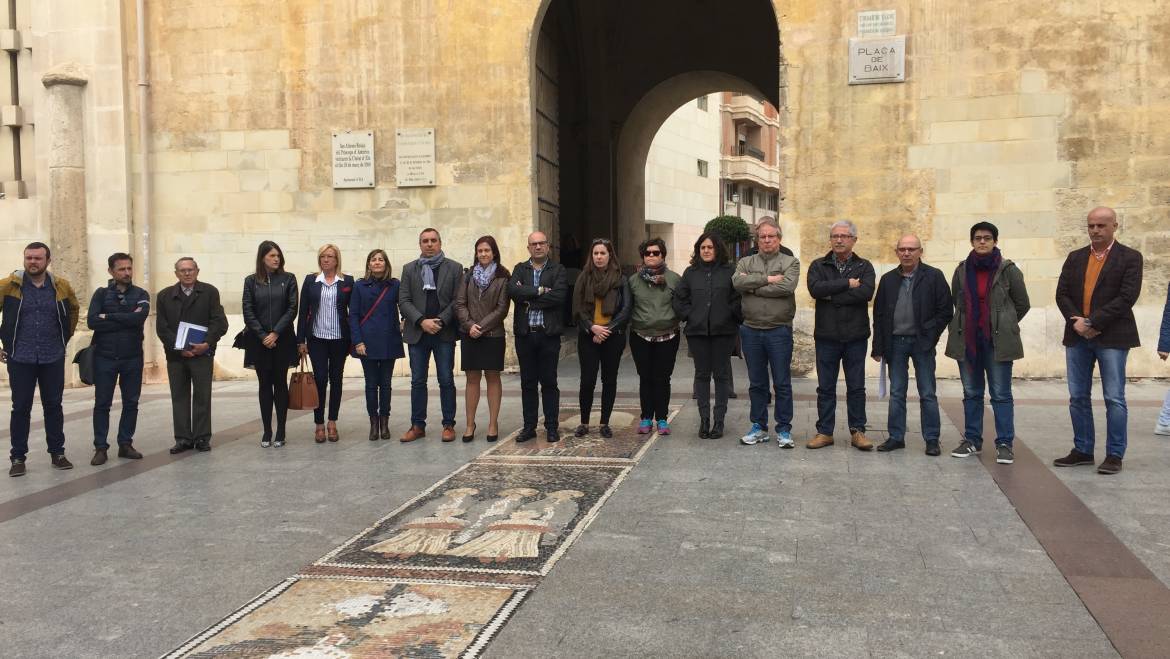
539, 288
189, 367
912, 309
842, 283
117, 315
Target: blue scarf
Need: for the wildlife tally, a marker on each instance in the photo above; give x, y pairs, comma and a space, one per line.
483, 276
428, 266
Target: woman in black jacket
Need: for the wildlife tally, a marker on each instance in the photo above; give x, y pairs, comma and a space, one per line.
323, 334
601, 307
710, 307
270, 346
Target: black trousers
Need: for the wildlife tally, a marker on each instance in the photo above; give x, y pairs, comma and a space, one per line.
190, 379
328, 359
273, 393
606, 356
712, 355
538, 354
655, 363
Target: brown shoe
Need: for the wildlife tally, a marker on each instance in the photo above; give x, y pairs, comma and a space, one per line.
414, 433
319, 434
1111, 465
17, 468
860, 442
1074, 459
59, 462
331, 432
127, 451
448, 433
820, 441
99, 457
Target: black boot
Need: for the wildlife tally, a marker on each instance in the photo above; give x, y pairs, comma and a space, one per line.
716, 429
704, 428
373, 429
384, 426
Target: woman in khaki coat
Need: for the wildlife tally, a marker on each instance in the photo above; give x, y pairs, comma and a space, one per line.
481, 304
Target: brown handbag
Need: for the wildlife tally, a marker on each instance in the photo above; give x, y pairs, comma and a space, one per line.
302, 389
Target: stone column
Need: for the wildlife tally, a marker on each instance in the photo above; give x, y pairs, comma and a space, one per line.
62, 119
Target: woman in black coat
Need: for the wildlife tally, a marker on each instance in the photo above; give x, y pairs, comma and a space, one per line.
323, 334
601, 308
710, 307
270, 305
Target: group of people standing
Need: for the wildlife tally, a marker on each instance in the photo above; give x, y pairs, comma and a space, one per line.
721, 307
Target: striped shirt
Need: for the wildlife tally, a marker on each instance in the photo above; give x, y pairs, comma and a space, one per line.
536, 316
327, 324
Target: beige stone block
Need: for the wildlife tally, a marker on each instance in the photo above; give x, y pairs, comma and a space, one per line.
1018, 128
933, 156
223, 181
171, 161
1043, 104
953, 131
1037, 268
232, 140
1033, 248
253, 180
208, 160
1002, 106
951, 203
285, 180
1029, 201
245, 160
320, 201
276, 202
241, 202
354, 200
1033, 81
467, 196
283, 159
260, 223
264, 140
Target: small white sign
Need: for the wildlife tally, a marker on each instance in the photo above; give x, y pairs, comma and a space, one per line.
353, 159
879, 23
414, 157
873, 61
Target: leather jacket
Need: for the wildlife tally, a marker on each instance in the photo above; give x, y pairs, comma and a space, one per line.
270, 306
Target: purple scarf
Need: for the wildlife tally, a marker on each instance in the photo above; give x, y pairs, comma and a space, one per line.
979, 311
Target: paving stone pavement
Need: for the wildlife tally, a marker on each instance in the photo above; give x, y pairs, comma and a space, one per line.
707, 549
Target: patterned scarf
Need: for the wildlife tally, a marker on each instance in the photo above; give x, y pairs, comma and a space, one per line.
653, 276
593, 284
979, 310
429, 265
483, 276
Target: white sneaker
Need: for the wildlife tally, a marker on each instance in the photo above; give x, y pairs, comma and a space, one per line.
784, 440
1160, 429
756, 435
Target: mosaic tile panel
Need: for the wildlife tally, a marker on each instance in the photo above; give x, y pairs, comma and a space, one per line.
625, 445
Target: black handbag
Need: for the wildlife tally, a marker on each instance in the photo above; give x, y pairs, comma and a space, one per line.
84, 361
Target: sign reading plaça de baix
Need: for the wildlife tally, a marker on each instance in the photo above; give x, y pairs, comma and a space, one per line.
878, 60
414, 157
353, 159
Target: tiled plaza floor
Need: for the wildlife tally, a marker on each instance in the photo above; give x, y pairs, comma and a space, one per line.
704, 548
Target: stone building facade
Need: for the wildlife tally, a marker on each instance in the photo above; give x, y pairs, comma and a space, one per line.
217, 133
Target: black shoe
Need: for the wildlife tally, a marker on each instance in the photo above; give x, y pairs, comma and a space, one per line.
99, 457
204, 445
1074, 459
277, 440
17, 468
525, 434
716, 430
932, 448
492, 438
470, 436
890, 445
581, 430
59, 462
704, 428
553, 435
605, 431
127, 451
733, 395
375, 429
384, 426
265, 439
179, 447
1110, 465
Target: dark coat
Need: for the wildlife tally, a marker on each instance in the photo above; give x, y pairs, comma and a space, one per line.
1008, 304
620, 320
381, 332
202, 307
1111, 309
707, 302
412, 300
487, 308
526, 296
119, 335
933, 308
270, 306
311, 300
842, 313
1164, 333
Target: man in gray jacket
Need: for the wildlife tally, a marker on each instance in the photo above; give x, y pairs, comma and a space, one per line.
767, 281
427, 302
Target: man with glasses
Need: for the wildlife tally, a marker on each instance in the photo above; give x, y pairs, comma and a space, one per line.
842, 283
767, 281
912, 309
539, 288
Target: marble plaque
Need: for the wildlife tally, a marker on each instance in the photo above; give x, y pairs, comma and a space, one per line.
353, 159
873, 61
414, 152
879, 23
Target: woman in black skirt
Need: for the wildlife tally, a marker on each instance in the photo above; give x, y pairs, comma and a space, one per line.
270, 305
481, 303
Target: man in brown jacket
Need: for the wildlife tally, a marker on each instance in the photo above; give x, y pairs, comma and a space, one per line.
1097, 289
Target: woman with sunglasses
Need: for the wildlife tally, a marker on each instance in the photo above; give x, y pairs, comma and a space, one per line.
708, 303
601, 306
654, 336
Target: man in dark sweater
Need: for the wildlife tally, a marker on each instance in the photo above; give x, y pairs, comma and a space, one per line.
117, 314
842, 283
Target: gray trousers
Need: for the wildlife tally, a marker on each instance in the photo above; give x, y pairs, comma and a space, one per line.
190, 380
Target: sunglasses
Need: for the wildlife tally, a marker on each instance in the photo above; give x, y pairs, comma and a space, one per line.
652, 252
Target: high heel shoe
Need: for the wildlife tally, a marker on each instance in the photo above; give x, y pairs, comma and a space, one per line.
331, 431
470, 436
266, 439
492, 438
319, 434
278, 438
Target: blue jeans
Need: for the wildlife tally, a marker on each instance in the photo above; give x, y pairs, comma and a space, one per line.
127, 373
1164, 415
420, 362
24, 379
831, 355
764, 349
1079, 360
377, 372
898, 362
997, 378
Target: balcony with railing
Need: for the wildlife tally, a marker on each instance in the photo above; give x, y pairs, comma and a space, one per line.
750, 167
746, 108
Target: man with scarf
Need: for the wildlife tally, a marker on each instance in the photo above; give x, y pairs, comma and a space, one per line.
990, 301
539, 288
911, 310
426, 300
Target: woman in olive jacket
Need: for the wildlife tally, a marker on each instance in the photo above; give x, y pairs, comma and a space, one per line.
710, 306
601, 307
269, 306
990, 300
481, 304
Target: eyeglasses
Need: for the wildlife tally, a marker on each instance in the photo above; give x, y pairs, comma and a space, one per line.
983, 239
601, 241
907, 250
652, 252
538, 243
187, 271
842, 236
